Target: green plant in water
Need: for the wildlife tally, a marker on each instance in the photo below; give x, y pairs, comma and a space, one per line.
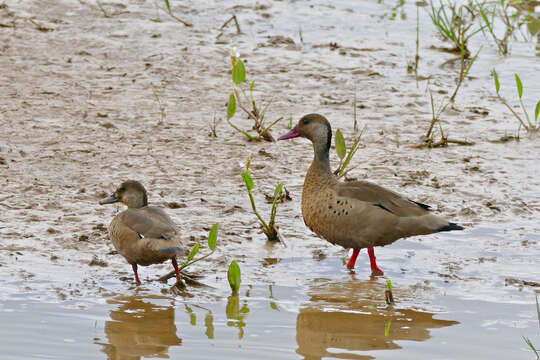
526, 339
455, 24
429, 138
465, 67
530, 126
345, 156
513, 14
389, 297
234, 277
212, 243
239, 98
269, 228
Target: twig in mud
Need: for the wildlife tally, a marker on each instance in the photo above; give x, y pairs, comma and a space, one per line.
162, 108
168, 10
213, 125
435, 119
105, 14
188, 278
441, 143
238, 31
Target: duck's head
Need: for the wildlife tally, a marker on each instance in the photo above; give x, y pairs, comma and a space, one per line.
314, 127
131, 193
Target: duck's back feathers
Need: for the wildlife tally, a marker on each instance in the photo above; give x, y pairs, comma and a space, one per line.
380, 197
146, 236
149, 221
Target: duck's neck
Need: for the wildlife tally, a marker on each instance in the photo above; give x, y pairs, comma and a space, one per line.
136, 202
319, 171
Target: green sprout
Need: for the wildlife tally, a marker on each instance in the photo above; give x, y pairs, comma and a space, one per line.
234, 277
388, 293
212, 242
269, 228
239, 97
527, 340
530, 126
345, 156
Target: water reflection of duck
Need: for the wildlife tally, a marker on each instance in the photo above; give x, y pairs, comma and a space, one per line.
356, 214
345, 316
140, 327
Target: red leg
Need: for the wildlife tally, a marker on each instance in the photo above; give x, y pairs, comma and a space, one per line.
175, 265
352, 260
134, 266
374, 268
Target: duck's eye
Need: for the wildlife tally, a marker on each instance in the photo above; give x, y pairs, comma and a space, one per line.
122, 189
305, 121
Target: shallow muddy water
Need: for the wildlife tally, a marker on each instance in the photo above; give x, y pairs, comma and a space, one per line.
90, 100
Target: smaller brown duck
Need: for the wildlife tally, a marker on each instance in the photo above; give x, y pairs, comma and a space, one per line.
143, 234
356, 214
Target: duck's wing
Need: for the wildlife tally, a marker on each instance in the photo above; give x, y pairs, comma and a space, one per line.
149, 222
382, 198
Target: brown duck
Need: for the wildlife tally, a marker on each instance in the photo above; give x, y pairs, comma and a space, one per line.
143, 234
356, 214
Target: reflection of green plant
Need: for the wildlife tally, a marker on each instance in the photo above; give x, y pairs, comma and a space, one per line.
529, 126
269, 228
526, 339
240, 97
345, 156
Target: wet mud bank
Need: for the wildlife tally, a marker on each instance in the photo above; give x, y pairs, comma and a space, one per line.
93, 96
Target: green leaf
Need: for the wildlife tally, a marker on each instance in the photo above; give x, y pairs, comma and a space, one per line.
278, 188
251, 85
248, 180
533, 26
340, 144
537, 111
231, 106
193, 252
496, 78
212, 237
519, 86
233, 274
238, 73
168, 5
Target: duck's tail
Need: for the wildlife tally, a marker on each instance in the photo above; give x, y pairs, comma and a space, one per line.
451, 226
177, 250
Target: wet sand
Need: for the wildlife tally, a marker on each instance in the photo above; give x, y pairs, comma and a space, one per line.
89, 101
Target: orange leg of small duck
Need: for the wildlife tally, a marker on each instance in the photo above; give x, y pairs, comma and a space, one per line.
134, 266
175, 265
374, 268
